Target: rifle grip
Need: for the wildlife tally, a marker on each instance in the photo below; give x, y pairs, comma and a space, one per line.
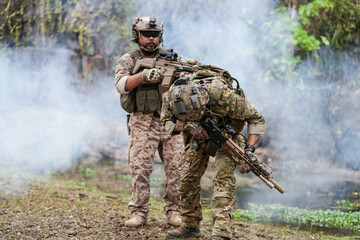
162, 88
167, 81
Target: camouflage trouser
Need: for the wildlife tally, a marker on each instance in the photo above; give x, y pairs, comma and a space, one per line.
147, 136
193, 166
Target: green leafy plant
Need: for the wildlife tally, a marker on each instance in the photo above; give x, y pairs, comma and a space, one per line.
124, 177
87, 172
302, 38
326, 218
80, 203
347, 205
75, 184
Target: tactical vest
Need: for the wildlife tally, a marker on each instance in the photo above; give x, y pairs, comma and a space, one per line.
147, 96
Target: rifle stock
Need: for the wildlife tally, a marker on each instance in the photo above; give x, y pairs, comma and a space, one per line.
219, 137
143, 63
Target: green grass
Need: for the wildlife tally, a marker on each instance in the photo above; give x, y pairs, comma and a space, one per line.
347, 205
92, 208
87, 172
322, 218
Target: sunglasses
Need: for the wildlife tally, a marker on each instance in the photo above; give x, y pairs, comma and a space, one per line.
148, 34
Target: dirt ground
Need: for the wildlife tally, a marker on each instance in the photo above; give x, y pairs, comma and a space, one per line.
76, 205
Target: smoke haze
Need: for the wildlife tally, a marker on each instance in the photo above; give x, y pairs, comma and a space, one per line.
46, 124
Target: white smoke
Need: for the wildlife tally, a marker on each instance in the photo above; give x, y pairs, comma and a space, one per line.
46, 124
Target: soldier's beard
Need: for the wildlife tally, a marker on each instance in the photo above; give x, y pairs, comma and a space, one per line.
150, 45
149, 51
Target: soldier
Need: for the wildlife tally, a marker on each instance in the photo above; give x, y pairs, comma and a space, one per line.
146, 132
187, 104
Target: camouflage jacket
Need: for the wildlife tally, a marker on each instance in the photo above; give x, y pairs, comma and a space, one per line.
235, 109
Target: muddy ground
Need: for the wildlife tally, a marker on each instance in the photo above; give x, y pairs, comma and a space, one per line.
93, 205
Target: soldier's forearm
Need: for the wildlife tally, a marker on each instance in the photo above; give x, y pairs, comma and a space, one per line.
133, 81
252, 139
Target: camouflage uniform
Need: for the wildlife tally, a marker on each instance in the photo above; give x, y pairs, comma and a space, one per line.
235, 110
147, 136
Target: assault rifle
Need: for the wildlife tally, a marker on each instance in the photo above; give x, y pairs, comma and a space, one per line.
219, 137
167, 62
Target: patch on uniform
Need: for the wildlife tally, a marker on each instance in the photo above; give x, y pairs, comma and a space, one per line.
123, 63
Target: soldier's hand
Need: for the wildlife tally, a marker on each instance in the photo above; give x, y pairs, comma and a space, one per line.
251, 155
196, 130
244, 169
152, 75
200, 133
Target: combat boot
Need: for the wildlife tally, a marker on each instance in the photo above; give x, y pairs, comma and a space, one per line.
184, 232
175, 220
135, 221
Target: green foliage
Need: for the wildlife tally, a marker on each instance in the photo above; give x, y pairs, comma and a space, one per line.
80, 203
90, 24
338, 22
347, 205
75, 184
290, 40
326, 218
87, 172
124, 177
277, 53
309, 42
312, 9
12, 20
306, 42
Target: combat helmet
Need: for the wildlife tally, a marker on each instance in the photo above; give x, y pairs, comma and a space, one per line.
146, 24
188, 100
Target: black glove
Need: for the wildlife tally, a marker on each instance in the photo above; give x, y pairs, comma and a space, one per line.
251, 155
249, 151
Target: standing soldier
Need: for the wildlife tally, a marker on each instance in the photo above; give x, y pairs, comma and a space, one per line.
184, 107
146, 132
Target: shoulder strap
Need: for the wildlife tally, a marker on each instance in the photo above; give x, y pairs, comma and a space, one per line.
135, 54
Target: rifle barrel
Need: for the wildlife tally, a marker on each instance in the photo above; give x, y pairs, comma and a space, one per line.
277, 185
267, 180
